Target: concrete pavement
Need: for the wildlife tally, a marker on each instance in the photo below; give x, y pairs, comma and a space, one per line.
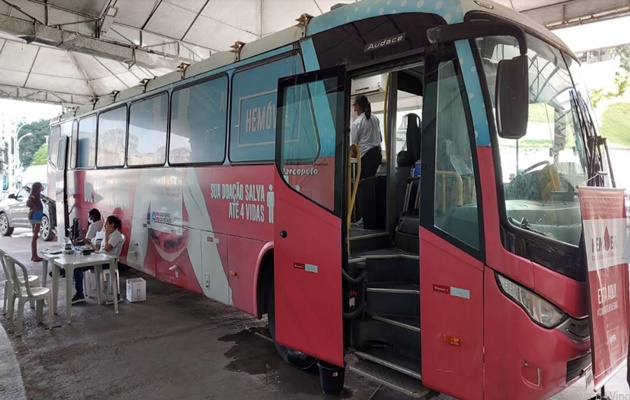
175, 345
11, 385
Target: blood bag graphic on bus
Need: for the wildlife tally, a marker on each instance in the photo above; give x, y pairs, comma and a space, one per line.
165, 216
168, 205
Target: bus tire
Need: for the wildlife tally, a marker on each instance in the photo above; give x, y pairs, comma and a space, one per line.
296, 358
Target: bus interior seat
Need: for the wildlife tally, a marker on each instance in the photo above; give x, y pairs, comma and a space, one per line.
414, 133
414, 145
407, 185
404, 163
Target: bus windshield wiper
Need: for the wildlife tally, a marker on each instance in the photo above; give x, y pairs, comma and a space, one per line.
591, 140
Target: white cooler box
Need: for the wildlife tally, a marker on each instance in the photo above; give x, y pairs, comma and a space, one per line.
136, 290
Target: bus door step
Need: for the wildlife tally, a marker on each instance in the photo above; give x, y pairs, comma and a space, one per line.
393, 379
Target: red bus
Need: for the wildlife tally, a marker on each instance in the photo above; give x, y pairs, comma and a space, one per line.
235, 178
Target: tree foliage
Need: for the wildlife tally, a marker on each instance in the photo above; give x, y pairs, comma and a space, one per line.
30, 145
597, 95
624, 58
622, 78
41, 155
616, 124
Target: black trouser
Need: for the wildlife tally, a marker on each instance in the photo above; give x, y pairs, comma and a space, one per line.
370, 162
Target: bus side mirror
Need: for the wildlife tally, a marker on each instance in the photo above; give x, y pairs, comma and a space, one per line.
512, 97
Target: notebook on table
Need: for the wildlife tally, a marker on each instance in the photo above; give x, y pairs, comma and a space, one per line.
85, 249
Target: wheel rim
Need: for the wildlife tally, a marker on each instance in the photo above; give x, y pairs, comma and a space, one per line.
4, 223
45, 228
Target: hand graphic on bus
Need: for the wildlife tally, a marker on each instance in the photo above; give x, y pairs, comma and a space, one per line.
270, 203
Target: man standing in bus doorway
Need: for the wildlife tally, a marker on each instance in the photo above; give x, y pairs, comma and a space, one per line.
366, 133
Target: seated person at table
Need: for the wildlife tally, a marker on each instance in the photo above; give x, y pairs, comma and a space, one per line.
95, 225
111, 244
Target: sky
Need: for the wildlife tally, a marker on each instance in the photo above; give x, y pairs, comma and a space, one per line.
29, 110
596, 35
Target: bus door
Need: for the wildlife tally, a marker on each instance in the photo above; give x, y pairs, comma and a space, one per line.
309, 212
57, 179
451, 266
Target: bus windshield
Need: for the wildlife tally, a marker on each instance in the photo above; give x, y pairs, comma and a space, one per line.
541, 170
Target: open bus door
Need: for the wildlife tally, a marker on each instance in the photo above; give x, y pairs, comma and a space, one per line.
57, 178
308, 215
452, 246
451, 256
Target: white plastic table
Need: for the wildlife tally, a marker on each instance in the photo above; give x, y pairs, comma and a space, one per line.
69, 263
47, 257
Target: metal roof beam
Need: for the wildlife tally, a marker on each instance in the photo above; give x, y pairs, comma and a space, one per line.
575, 12
38, 33
42, 96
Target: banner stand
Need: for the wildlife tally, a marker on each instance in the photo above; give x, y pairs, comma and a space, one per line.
605, 227
602, 395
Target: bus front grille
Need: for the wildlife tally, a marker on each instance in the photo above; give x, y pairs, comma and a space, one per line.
577, 366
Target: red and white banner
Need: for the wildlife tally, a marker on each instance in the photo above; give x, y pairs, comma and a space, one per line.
604, 222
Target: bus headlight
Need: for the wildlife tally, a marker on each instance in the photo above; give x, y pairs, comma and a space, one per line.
540, 310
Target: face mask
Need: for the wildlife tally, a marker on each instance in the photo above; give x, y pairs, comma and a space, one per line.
90, 220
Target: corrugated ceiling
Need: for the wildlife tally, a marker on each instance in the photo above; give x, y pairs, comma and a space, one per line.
70, 52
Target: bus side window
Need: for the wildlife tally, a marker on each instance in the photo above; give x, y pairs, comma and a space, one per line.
86, 143
455, 196
253, 112
199, 122
112, 135
58, 146
60, 153
53, 147
147, 131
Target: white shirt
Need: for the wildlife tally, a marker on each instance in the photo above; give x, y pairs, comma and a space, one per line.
98, 238
365, 133
116, 241
94, 228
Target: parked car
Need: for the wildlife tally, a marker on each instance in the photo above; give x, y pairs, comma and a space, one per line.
14, 213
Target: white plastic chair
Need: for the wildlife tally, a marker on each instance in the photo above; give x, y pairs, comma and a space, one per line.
9, 297
26, 293
89, 281
106, 275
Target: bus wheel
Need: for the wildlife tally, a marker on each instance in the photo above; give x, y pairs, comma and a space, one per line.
296, 358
